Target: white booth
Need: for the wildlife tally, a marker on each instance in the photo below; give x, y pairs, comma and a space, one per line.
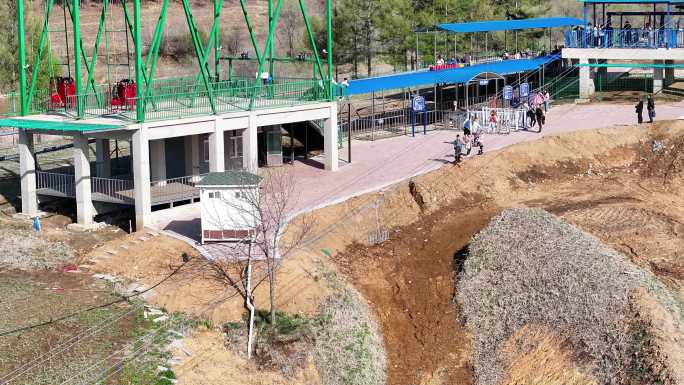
229, 202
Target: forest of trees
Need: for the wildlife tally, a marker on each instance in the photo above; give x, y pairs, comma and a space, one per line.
368, 31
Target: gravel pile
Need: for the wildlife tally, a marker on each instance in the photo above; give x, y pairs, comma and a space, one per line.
25, 250
529, 267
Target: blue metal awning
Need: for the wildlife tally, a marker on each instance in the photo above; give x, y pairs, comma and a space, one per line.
511, 25
449, 76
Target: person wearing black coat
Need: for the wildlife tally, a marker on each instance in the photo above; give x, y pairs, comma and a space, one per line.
639, 109
541, 119
650, 106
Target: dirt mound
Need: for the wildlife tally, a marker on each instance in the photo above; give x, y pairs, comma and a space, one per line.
530, 268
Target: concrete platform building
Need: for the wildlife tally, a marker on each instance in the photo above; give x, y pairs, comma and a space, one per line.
177, 128
643, 34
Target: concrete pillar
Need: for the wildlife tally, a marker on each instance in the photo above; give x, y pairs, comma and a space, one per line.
27, 172
657, 77
669, 73
141, 172
250, 148
103, 158
84, 201
586, 84
158, 161
217, 162
330, 139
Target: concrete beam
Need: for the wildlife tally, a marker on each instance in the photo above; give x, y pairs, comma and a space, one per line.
302, 114
141, 178
158, 161
250, 149
217, 162
330, 139
84, 201
631, 54
103, 158
27, 173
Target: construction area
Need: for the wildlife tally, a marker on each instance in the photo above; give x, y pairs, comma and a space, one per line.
261, 219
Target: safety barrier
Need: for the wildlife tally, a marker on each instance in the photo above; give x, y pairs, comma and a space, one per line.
183, 97
113, 189
56, 184
625, 38
391, 123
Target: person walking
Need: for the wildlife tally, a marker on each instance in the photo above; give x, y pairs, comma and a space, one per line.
492, 121
650, 106
458, 149
540, 117
639, 109
531, 117
627, 40
547, 100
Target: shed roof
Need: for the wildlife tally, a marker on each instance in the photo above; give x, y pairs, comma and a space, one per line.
230, 178
511, 25
448, 76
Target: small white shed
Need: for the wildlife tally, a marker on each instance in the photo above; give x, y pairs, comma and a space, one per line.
229, 202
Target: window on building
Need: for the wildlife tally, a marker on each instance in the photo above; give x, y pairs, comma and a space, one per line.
235, 145
274, 141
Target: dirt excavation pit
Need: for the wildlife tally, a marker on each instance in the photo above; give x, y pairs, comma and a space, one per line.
602, 181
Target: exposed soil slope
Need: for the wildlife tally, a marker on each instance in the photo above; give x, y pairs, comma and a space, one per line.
600, 180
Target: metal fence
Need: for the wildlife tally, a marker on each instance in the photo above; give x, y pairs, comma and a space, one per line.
392, 123
625, 38
113, 188
181, 97
56, 184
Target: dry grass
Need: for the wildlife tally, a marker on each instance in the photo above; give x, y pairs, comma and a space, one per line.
529, 267
348, 346
26, 250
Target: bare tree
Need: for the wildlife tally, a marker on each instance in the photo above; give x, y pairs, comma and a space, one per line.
258, 215
290, 19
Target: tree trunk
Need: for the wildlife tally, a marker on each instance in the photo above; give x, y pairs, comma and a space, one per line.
271, 292
356, 56
369, 50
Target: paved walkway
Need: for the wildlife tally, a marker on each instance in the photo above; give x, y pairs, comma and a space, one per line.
378, 164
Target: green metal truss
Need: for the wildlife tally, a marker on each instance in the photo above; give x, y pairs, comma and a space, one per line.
167, 98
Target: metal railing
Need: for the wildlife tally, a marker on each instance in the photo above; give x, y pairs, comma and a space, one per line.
183, 97
391, 123
118, 189
56, 184
625, 38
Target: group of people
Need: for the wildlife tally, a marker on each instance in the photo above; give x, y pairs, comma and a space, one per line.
472, 137
650, 108
536, 109
465, 59
605, 36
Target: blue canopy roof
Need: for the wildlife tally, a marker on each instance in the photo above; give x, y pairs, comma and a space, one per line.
450, 76
510, 25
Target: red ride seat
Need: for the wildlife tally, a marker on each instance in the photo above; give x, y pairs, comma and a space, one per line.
62, 92
123, 94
